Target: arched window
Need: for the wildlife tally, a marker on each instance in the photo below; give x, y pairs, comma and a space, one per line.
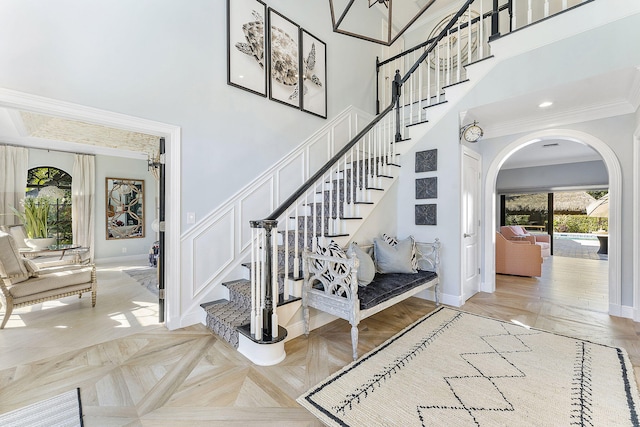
55, 185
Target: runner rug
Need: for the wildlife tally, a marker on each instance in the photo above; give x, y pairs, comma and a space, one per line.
63, 410
453, 368
146, 276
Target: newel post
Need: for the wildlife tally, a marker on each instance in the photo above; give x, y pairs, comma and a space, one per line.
395, 94
495, 20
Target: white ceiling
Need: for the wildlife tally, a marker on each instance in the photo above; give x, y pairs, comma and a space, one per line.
609, 95
42, 131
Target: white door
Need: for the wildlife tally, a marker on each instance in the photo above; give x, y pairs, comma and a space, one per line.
471, 177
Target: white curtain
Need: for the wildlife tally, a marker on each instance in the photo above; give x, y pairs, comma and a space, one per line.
83, 189
14, 164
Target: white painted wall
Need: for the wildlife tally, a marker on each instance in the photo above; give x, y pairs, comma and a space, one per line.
444, 138
165, 60
545, 178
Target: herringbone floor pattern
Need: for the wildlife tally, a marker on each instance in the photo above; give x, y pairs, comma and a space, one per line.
189, 377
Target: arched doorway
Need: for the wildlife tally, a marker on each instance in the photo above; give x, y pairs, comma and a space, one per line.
615, 187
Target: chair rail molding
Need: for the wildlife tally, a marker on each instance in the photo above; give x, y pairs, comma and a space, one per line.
225, 232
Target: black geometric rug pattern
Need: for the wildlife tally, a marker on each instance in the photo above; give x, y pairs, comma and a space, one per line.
456, 368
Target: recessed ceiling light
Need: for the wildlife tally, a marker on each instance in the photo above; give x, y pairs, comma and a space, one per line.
545, 104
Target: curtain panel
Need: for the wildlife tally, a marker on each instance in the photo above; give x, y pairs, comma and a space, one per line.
14, 162
83, 189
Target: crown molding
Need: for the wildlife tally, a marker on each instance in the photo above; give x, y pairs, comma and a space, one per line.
562, 118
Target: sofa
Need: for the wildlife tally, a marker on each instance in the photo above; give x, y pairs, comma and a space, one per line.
518, 257
519, 233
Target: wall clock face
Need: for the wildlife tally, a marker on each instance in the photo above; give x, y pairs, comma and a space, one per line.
472, 133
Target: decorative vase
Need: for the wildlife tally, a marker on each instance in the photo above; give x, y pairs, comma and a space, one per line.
40, 243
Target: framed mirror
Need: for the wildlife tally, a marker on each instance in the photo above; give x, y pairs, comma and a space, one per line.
124, 208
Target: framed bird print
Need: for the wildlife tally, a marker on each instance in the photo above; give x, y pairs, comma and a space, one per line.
283, 60
313, 78
246, 45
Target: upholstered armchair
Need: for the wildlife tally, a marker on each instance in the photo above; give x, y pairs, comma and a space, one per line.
22, 283
519, 258
519, 233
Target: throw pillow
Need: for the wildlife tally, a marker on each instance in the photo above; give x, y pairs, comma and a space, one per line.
392, 240
366, 268
12, 265
332, 270
32, 268
394, 259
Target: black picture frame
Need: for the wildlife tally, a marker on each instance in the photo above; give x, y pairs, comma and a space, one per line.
313, 79
284, 59
246, 53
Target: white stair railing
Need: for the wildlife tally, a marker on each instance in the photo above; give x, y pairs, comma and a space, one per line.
319, 210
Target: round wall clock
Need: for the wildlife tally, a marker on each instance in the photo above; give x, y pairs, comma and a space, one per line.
472, 132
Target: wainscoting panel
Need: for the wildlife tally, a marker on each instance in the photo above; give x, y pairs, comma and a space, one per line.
256, 204
219, 243
290, 178
213, 250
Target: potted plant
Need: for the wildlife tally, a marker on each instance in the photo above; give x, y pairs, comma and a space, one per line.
35, 219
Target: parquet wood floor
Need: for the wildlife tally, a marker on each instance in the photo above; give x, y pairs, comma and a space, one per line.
153, 377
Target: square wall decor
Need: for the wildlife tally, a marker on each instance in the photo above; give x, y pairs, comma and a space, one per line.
427, 214
427, 188
427, 161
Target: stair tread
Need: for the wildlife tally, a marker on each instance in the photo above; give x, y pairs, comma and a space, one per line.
228, 312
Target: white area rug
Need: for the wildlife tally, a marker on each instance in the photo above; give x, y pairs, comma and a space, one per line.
63, 410
453, 368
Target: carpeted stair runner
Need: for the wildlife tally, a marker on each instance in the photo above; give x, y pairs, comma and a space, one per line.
225, 316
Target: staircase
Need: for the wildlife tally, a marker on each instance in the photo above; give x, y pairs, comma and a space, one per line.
337, 199
228, 318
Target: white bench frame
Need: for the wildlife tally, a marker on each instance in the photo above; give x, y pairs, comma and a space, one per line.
339, 296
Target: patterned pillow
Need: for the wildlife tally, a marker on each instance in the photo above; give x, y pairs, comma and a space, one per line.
393, 241
32, 268
332, 270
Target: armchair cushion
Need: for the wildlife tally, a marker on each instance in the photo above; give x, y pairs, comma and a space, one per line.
51, 282
12, 265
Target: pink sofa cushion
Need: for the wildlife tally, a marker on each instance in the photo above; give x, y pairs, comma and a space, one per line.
519, 230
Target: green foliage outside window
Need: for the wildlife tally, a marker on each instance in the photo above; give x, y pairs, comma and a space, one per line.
53, 185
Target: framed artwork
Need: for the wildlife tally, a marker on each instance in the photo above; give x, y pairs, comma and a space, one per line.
427, 188
124, 208
283, 59
313, 79
246, 45
427, 161
427, 214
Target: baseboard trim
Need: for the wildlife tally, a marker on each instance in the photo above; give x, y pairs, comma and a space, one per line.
111, 260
